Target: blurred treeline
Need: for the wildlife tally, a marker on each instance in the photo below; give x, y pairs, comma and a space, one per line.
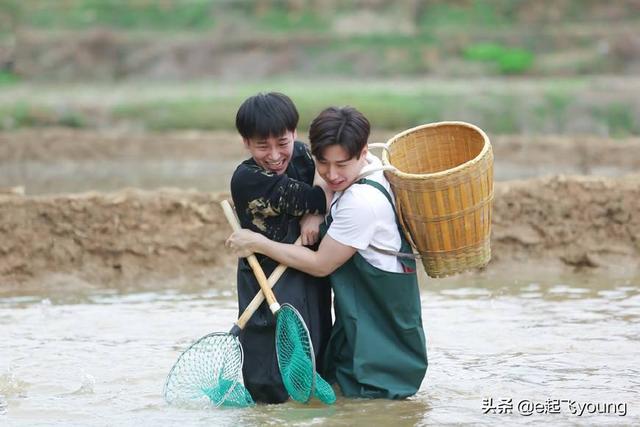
554, 48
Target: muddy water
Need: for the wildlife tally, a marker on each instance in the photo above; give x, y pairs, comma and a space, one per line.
68, 161
86, 355
112, 175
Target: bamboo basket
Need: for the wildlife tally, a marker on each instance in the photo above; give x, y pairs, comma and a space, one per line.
442, 178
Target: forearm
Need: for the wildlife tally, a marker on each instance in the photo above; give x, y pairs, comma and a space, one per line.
297, 257
330, 255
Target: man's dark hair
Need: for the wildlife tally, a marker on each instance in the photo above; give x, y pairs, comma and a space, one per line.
266, 114
344, 126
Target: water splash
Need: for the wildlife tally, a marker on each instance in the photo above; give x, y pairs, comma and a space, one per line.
88, 384
3, 405
10, 385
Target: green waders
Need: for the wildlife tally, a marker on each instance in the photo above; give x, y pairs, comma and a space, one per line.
377, 345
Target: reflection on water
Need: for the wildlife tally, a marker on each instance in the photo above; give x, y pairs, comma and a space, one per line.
100, 356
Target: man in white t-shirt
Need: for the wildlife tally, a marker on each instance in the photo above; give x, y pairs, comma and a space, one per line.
377, 345
369, 226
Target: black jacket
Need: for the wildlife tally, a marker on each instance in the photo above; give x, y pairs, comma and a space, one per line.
272, 205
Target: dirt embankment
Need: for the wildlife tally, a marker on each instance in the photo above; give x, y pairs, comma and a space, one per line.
559, 222
573, 222
129, 235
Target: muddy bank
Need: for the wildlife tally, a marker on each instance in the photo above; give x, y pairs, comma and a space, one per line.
571, 223
46, 161
564, 224
120, 237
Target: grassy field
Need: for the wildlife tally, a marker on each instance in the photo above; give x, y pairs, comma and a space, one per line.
531, 67
307, 15
597, 106
381, 38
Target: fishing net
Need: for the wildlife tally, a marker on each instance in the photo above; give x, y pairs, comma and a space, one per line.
209, 371
296, 359
239, 397
324, 392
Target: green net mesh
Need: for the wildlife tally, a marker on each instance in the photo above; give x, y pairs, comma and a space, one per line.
296, 359
238, 397
323, 391
209, 372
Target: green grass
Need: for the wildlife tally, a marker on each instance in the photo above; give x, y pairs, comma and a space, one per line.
499, 107
121, 14
383, 41
285, 16
279, 20
384, 110
216, 113
507, 60
277, 16
504, 34
619, 119
390, 55
23, 114
479, 13
7, 78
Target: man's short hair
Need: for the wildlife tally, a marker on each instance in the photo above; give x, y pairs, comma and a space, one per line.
344, 126
266, 114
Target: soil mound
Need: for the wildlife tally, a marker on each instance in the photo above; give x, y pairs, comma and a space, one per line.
559, 222
568, 222
114, 237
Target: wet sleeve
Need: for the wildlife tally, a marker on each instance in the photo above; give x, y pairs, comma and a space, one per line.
277, 192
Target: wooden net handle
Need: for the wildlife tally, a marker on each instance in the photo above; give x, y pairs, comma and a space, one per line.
257, 300
253, 261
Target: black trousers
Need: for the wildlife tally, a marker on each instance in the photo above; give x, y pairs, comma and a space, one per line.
311, 296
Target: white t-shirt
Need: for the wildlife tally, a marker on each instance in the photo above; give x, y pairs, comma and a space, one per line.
363, 217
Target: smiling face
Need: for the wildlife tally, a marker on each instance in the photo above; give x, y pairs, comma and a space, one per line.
273, 153
337, 168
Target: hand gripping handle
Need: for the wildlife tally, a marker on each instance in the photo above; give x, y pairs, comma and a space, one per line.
253, 261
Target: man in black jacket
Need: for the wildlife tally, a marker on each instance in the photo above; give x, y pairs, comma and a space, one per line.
274, 195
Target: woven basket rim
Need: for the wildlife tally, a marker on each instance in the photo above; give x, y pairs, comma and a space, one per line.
485, 148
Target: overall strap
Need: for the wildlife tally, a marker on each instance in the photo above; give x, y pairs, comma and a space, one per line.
379, 187
384, 191
387, 195
328, 219
365, 181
